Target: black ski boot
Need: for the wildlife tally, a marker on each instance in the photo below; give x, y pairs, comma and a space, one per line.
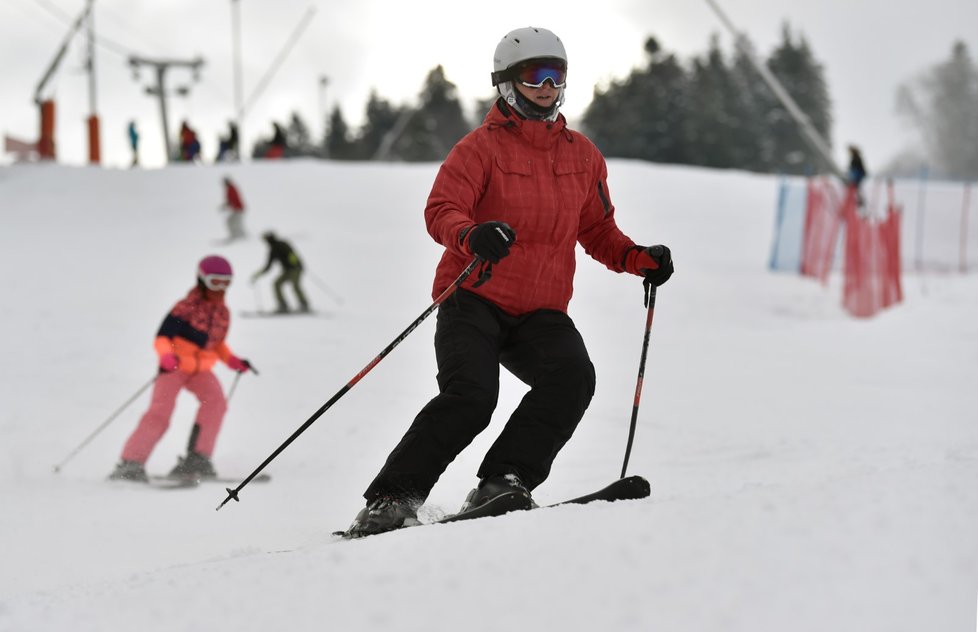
129, 471
492, 486
384, 513
193, 467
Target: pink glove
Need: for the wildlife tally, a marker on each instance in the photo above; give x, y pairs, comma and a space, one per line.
169, 363
237, 364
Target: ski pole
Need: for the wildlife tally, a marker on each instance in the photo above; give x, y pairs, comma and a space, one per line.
195, 431
57, 468
650, 303
325, 288
234, 384
233, 493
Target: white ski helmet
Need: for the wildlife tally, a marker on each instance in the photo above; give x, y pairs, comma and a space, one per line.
519, 46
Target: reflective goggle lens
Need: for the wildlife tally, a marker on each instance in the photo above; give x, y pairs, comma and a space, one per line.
533, 74
216, 282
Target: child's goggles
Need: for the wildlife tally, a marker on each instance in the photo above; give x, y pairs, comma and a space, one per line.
216, 282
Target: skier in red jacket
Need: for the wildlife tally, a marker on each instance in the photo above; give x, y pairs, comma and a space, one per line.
521, 192
234, 205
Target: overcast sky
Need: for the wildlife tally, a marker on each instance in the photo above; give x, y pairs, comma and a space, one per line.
868, 47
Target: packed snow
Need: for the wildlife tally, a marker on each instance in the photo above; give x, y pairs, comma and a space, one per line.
809, 471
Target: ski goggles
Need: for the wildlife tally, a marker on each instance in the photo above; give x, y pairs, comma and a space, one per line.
216, 282
534, 73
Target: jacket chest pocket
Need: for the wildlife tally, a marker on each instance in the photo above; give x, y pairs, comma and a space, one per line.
513, 186
573, 182
515, 166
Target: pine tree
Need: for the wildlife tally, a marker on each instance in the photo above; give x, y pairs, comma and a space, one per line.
943, 104
482, 107
337, 143
298, 138
381, 117
644, 115
803, 78
712, 122
430, 131
443, 124
751, 101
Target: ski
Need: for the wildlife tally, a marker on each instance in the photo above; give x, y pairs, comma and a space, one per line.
154, 482
272, 314
166, 483
630, 488
224, 480
498, 506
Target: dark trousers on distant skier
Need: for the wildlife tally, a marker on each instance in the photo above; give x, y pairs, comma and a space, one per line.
473, 337
292, 276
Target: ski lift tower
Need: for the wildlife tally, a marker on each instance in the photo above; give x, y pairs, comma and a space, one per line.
160, 66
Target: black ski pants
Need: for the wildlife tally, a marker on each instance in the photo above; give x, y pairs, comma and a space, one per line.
473, 338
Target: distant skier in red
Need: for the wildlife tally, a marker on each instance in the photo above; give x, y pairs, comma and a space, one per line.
189, 144
234, 205
278, 144
189, 342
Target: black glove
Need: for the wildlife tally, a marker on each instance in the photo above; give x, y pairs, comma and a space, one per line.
491, 240
654, 263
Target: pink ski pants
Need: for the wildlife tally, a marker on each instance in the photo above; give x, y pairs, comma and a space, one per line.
205, 387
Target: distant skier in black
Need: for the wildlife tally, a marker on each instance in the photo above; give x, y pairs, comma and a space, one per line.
857, 171
228, 145
282, 251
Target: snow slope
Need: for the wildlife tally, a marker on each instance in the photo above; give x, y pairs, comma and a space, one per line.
809, 471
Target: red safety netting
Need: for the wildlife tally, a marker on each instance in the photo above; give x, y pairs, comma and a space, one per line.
872, 257
822, 222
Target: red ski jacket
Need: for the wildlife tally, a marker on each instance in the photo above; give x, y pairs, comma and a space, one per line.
194, 330
232, 198
547, 182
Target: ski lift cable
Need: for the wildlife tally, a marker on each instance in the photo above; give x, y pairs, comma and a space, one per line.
106, 14
808, 131
106, 43
279, 60
60, 54
29, 9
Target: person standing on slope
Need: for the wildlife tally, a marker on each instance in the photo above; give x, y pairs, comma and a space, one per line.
234, 205
283, 252
189, 342
134, 142
520, 192
856, 173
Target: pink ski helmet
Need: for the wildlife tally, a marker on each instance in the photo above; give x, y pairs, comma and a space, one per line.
215, 273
